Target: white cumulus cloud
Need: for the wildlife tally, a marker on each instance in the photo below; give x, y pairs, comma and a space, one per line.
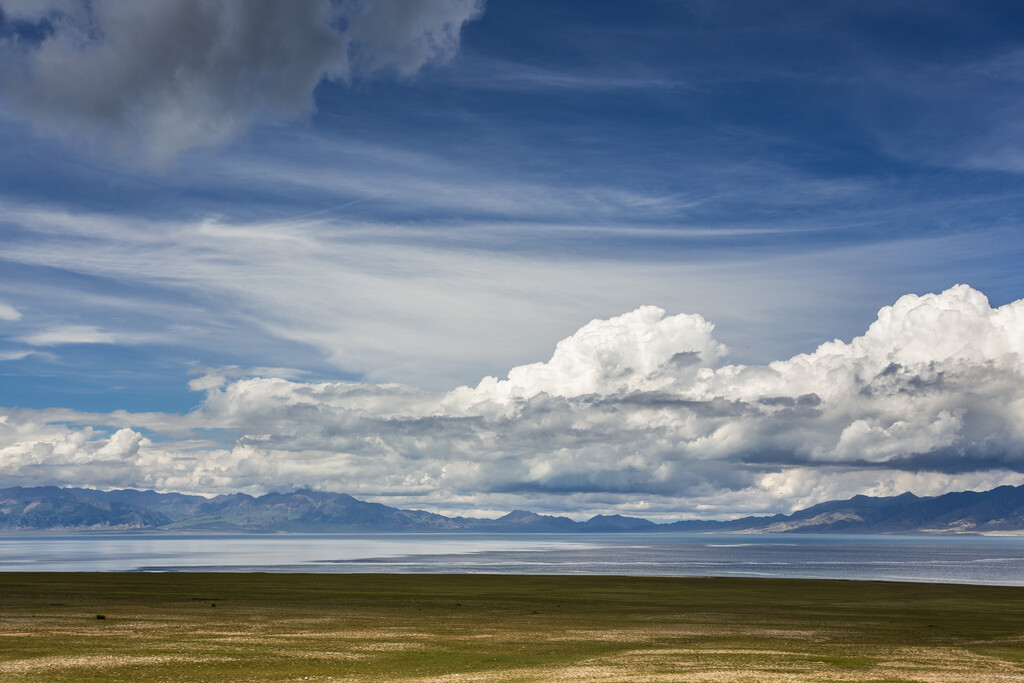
627, 353
638, 407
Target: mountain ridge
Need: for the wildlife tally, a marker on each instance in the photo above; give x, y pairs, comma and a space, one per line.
999, 510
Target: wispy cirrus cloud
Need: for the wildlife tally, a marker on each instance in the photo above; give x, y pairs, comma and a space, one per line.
59, 335
504, 74
353, 291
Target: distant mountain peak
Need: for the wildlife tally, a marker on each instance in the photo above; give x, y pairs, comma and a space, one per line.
48, 507
520, 516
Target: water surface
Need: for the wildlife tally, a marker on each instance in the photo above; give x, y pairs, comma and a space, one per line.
947, 559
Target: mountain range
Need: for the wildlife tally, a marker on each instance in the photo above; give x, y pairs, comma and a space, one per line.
1000, 510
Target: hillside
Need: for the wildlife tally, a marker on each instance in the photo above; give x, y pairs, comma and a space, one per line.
1000, 510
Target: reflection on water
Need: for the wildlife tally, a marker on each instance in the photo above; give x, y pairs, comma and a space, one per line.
951, 559
239, 552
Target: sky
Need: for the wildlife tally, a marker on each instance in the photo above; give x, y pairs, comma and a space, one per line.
664, 258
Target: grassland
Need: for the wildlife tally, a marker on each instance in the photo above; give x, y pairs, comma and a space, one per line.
294, 627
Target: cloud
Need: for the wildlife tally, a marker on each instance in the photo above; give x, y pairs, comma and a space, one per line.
177, 74
349, 295
8, 312
635, 408
70, 334
606, 357
34, 452
404, 35
501, 74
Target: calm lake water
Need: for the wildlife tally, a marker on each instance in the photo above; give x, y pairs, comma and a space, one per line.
947, 559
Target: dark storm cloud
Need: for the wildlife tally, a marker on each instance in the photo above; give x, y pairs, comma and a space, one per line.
167, 75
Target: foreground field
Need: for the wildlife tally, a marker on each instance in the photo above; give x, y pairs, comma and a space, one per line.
247, 627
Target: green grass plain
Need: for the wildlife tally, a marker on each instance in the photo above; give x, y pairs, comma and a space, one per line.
385, 627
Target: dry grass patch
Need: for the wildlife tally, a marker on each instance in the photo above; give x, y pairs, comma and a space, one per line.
501, 628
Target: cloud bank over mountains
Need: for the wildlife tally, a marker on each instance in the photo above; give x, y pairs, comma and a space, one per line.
176, 74
636, 413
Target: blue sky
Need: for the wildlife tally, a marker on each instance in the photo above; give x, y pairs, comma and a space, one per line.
426, 194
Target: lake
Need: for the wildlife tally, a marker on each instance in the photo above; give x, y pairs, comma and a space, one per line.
946, 559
